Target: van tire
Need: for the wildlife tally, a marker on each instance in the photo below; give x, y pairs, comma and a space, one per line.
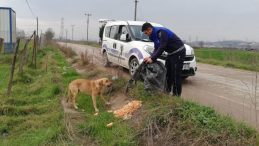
105, 61
133, 65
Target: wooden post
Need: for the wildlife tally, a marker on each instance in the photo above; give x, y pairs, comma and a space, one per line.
28, 52
1, 45
12, 68
35, 49
23, 57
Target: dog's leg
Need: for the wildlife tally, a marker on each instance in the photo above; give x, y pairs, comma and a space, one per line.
74, 94
69, 95
74, 103
106, 102
94, 102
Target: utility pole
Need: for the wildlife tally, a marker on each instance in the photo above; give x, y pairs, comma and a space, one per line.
36, 41
37, 27
136, 5
88, 15
66, 38
61, 29
72, 26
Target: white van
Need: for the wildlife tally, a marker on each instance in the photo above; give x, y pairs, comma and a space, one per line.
123, 43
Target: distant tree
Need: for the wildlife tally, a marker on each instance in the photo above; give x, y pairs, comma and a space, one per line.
20, 33
201, 44
49, 34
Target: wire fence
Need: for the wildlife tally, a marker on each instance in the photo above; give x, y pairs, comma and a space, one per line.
21, 57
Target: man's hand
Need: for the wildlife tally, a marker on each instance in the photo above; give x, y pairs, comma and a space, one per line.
148, 60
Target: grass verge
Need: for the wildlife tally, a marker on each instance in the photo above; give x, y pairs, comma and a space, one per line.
172, 121
32, 115
229, 58
122, 134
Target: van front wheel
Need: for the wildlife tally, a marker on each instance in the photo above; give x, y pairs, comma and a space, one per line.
133, 65
105, 60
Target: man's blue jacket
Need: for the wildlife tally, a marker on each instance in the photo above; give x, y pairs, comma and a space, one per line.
164, 40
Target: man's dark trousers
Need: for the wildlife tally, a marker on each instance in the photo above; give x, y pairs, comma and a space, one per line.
174, 66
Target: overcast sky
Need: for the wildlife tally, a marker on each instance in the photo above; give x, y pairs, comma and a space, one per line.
209, 20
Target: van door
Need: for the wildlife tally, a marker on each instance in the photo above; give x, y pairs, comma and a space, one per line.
113, 52
106, 41
123, 45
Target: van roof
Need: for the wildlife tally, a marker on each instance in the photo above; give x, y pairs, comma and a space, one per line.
130, 23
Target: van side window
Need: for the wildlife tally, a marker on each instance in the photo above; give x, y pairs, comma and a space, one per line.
107, 31
114, 32
122, 30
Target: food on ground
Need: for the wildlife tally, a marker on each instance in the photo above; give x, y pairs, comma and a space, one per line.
126, 111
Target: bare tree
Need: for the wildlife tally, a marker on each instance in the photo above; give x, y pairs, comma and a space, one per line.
20, 33
49, 34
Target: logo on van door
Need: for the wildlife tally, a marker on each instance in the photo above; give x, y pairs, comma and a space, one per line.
134, 51
113, 51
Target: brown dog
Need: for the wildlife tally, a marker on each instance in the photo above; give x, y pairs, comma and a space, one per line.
90, 87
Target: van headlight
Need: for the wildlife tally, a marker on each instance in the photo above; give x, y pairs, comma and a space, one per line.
192, 52
149, 49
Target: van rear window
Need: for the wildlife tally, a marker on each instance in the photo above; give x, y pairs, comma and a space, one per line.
114, 32
107, 31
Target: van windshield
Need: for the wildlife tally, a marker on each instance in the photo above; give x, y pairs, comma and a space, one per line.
138, 34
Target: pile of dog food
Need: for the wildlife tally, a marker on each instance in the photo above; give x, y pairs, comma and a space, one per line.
126, 111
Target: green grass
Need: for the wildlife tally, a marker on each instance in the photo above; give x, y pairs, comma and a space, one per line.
121, 134
32, 114
190, 122
229, 58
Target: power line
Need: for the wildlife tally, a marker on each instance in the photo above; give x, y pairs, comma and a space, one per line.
30, 9
61, 29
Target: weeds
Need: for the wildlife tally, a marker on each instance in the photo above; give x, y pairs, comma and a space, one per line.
32, 115
84, 58
172, 121
229, 58
68, 51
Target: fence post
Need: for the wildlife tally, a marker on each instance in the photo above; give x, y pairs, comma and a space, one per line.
33, 50
23, 58
1, 45
10, 84
36, 47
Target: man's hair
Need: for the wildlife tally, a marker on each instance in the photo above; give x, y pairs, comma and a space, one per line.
146, 25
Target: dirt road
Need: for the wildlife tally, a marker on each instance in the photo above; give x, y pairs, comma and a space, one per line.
228, 91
